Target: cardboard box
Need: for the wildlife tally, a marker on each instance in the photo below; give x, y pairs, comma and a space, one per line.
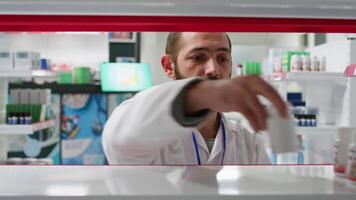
26, 60
6, 61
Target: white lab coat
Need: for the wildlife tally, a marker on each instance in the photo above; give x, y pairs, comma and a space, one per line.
143, 131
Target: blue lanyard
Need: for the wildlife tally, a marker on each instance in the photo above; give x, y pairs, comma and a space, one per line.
224, 144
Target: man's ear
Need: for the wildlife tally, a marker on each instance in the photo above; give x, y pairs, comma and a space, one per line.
168, 65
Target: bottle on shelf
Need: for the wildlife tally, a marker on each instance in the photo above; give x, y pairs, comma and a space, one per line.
296, 63
341, 150
306, 63
314, 64
351, 162
322, 64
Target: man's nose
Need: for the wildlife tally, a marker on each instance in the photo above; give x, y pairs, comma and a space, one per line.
211, 68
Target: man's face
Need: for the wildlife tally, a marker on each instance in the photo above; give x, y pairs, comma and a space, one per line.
203, 54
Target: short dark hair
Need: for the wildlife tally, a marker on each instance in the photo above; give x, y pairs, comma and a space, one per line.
173, 41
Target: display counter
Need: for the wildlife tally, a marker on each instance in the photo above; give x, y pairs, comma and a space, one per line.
173, 182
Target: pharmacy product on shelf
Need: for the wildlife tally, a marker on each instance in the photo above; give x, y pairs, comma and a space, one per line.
45, 64
23, 61
314, 64
295, 98
15, 118
6, 61
275, 59
30, 96
292, 60
296, 63
28, 105
27, 161
26, 60
350, 70
351, 162
305, 116
306, 63
322, 64
250, 68
341, 150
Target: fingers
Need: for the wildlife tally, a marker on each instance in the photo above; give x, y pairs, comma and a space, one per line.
259, 112
261, 87
251, 117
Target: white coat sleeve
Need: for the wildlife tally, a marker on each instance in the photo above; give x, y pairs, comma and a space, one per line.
141, 126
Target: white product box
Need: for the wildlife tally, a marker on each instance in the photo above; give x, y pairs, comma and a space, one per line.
38, 94
45, 96
15, 96
6, 61
24, 96
26, 60
34, 99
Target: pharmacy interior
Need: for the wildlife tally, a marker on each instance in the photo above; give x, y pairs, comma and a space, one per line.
61, 77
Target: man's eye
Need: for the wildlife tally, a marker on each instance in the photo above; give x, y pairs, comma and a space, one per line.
198, 58
223, 59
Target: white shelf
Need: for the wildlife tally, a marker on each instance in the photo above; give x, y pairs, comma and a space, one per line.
294, 76
305, 182
27, 74
15, 74
317, 130
43, 73
6, 129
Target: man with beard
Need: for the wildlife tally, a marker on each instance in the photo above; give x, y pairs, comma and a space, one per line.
182, 122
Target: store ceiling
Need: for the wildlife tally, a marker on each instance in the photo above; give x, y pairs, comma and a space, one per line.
325, 9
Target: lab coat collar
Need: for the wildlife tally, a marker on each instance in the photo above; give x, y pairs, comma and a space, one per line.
201, 143
217, 151
218, 148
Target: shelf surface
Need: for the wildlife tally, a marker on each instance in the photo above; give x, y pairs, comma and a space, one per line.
43, 73
27, 74
294, 76
317, 130
174, 182
6, 129
15, 74
63, 88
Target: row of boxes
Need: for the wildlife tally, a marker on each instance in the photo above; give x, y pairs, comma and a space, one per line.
28, 105
30, 96
21, 60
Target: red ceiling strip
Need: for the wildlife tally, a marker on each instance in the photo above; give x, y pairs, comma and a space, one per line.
46, 23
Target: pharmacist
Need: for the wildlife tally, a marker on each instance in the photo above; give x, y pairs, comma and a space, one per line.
182, 122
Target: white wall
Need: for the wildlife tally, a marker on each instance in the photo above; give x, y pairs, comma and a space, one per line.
333, 37
152, 47
71, 49
330, 37
249, 38
4, 42
285, 40
337, 54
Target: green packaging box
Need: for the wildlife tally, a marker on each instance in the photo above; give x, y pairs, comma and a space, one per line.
65, 78
251, 68
82, 75
33, 109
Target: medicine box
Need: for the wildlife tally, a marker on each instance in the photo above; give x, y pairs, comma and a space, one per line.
26, 60
6, 61
24, 96
44, 96
15, 96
